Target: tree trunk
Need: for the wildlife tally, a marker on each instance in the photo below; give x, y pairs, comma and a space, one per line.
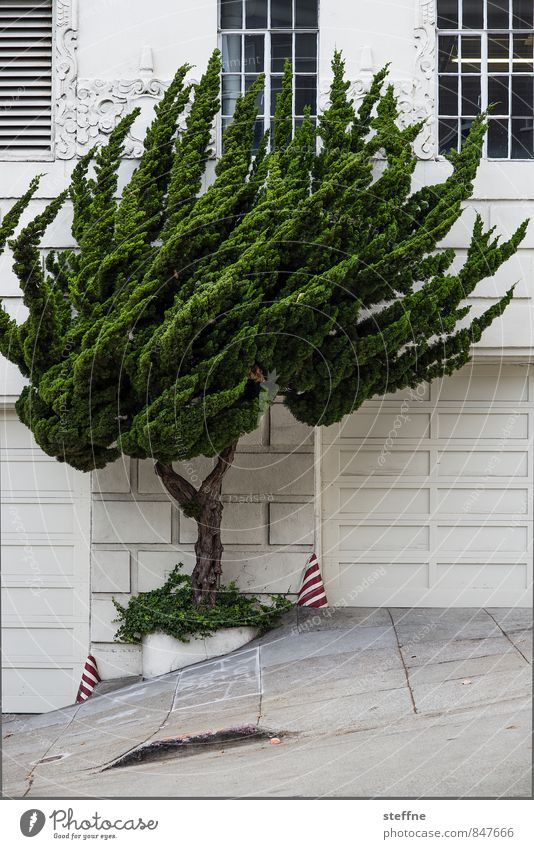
205, 506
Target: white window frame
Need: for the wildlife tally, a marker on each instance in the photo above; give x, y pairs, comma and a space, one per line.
483, 34
267, 33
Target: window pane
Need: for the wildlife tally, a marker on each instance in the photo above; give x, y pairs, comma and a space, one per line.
498, 94
470, 95
448, 96
522, 138
523, 13
471, 56
447, 14
260, 98
306, 13
231, 89
306, 52
522, 59
498, 139
498, 14
448, 54
276, 88
280, 51
253, 58
465, 126
281, 13
305, 94
448, 135
498, 53
472, 14
522, 96
256, 14
231, 53
231, 14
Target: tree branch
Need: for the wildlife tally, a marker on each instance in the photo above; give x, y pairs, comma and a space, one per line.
176, 485
212, 483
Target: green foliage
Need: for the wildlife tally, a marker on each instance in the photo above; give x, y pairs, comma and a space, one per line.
306, 261
171, 609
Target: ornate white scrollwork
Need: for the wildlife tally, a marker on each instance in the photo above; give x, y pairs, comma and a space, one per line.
102, 103
425, 77
66, 71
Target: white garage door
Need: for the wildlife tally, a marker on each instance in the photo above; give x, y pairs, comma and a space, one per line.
45, 574
427, 495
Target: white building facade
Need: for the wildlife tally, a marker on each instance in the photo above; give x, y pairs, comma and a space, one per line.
418, 499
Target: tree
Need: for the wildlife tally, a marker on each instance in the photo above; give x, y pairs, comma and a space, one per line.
311, 261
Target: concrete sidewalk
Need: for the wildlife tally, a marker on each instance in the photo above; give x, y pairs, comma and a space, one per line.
368, 703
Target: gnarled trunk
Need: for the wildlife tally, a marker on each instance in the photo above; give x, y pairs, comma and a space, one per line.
205, 506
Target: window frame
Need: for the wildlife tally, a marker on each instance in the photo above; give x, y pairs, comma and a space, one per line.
484, 34
267, 32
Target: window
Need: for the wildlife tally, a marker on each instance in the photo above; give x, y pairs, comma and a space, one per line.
26, 77
257, 37
485, 56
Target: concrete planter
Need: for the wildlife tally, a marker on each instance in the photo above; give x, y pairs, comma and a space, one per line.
162, 653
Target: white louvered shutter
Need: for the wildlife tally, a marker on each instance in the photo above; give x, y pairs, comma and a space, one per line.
26, 77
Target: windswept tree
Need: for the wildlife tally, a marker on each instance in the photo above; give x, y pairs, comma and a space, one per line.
310, 259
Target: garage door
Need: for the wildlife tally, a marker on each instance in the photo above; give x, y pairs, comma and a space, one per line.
45, 574
427, 494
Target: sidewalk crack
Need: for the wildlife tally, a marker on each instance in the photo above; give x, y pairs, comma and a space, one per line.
402, 661
507, 636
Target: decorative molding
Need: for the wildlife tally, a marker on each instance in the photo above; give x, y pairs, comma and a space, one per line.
66, 73
102, 103
425, 77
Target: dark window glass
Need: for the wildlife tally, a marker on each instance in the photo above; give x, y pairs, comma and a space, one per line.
471, 54
231, 14
447, 14
448, 135
448, 96
470, 95
522, 138
522, 57
256, 14
231, 89
231, 53
280, 51
306, 14
498, 94
281, 14
498, 53
523, 14
305, 94
498, 139
306, 52
497, 15
522, 96
472, 14
448, 54
254, 52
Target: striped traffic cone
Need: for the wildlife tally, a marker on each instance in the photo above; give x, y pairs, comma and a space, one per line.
90, 679
312, 592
